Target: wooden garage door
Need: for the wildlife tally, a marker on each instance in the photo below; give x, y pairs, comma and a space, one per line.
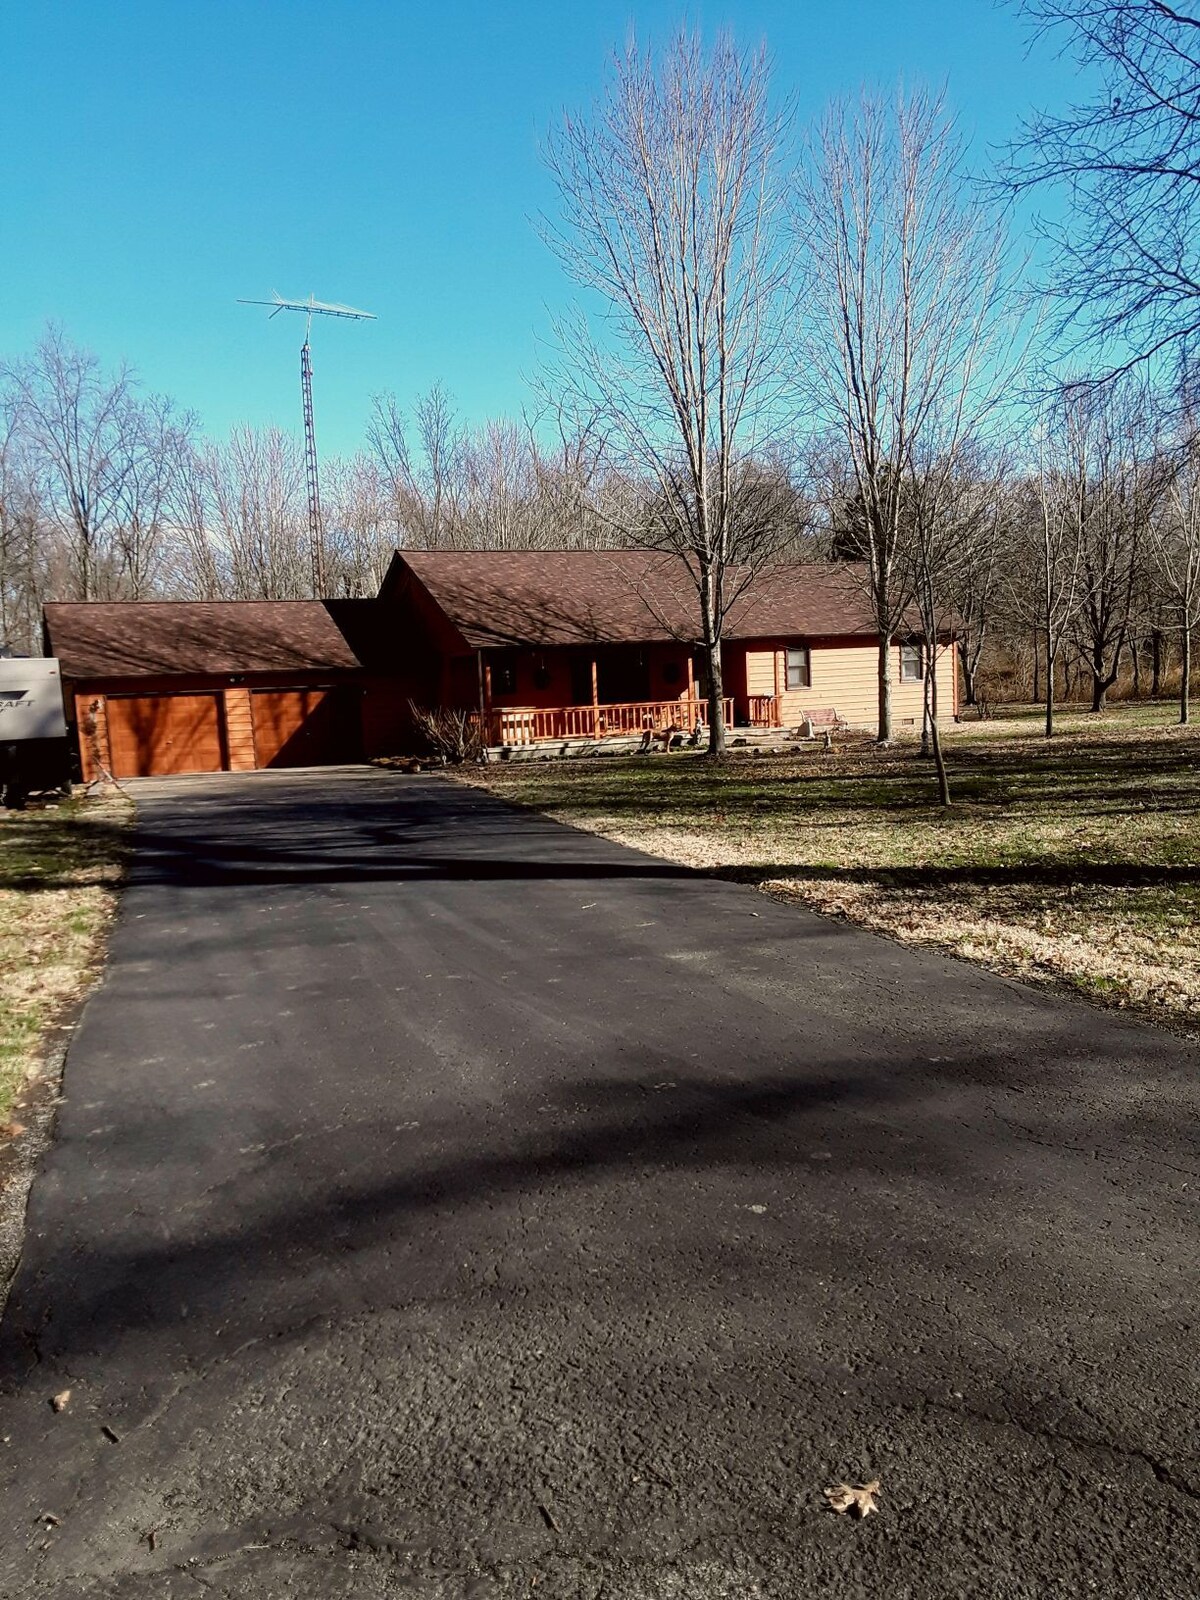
151, 735
298, 727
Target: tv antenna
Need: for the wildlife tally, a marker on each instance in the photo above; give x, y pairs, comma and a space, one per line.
311, 308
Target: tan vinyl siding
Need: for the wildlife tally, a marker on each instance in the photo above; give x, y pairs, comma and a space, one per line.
239, 730
844, 676
760, 671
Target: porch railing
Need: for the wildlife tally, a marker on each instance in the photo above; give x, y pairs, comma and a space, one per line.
520, 725
764, 711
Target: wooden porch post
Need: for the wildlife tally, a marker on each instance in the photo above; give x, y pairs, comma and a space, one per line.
595, 700
777, 658
691, 690
485, 696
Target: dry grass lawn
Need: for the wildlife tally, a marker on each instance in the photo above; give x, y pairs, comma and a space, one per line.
59, 872
1072, 861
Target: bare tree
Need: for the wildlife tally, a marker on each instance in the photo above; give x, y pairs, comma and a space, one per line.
1116, 477
1128, 160
258, 514
541, 482
671, 216
1099, 480
426, 477
153, 453
25, 553
948, 543
360, 533
499, 488
1045, 576
581, 503
196, 560
901, 311
1173, 543
75, 420
984, 514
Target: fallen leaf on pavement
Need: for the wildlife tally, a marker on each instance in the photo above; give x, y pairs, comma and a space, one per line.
59, 1402
859, 1498
11, 1130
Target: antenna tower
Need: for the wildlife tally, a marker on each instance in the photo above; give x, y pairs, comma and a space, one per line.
311, 308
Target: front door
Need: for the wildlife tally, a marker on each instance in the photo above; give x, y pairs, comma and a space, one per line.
623, 672
581, 679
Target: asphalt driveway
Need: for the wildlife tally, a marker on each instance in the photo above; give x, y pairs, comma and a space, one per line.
449, 1204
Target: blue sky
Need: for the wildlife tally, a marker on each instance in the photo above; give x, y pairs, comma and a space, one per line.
164, 157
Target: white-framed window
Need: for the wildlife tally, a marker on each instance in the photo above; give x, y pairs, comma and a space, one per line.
912, 661
798, 661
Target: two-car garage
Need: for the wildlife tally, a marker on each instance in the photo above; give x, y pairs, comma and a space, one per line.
164, 734
162, 688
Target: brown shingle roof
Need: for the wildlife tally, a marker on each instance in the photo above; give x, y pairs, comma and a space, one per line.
151, 638
502, 597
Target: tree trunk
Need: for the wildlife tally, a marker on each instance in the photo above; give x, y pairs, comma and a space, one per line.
1156, 663
1051, 653
1037, 662
931, 724
712, 660
1099, 686
884, 735
1185, 676
716, 699
969, 674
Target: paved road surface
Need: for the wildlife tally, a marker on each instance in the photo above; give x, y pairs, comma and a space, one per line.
448, 1204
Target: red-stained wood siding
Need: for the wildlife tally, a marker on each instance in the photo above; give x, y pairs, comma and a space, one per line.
557, 676
91, 724
387, 724
239, 730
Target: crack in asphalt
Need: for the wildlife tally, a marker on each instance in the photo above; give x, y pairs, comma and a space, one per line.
1098, 1154
1164, 1474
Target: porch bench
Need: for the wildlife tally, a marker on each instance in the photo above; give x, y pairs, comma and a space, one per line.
821, 719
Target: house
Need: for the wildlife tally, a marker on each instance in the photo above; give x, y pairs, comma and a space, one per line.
543, 646
553, 645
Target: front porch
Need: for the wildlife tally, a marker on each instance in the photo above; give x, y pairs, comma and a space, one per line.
622, 692
514, 726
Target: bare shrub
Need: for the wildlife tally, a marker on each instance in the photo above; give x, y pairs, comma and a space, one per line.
453, 736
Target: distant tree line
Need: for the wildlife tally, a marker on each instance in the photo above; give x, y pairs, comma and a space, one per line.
793, 344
